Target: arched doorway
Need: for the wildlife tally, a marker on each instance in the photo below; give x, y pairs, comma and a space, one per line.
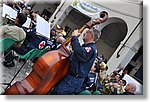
112, 33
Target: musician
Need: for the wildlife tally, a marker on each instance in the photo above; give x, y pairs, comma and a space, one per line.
15, 32
33, 41
57, 36
81, 61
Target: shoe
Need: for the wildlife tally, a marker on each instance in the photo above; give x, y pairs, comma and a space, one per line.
21, 60
16, 58
8, 64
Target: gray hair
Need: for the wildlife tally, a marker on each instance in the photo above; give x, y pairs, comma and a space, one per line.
96, 34
60, 39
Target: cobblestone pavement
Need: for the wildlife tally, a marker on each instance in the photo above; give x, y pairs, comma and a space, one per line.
7, 74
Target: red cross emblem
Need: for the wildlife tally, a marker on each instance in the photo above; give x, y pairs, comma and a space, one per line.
42, 44
88, 49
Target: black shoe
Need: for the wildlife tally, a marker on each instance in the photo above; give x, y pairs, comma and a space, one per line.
21, 60
16, 58
8, 64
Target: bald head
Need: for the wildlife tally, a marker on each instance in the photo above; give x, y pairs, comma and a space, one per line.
131, 87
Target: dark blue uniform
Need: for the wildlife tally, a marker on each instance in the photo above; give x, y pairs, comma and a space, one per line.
91, 83
33, 41
81, 62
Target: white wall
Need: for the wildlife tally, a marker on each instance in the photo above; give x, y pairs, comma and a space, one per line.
60, 12
128, 50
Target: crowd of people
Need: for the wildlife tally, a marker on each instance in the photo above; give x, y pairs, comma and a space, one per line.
84, 77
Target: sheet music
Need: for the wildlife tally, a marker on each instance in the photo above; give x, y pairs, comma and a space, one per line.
43, 27
8, 10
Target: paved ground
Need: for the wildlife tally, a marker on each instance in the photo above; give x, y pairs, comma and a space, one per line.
6, 74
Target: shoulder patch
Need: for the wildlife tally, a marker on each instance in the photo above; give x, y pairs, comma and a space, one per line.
28, 30
42, 44
88, 49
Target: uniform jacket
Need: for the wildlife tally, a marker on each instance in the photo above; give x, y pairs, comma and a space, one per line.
81, 61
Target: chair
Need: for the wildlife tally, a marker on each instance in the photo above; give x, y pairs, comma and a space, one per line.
33, 55
6, 44
96, 93
85, 92
30, 55
41, 52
